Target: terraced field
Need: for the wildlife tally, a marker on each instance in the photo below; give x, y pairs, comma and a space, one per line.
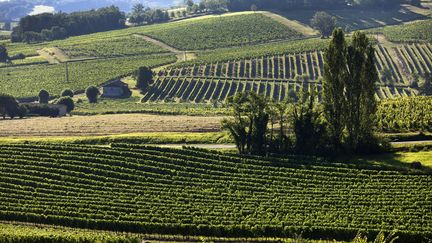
279, 76
190, 192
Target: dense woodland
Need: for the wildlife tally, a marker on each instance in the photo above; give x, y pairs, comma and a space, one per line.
61, 25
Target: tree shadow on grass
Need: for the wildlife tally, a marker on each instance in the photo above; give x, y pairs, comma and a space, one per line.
355, 19
388, 161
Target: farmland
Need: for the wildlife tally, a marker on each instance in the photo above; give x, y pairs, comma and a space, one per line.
408, 114
412, 32
21, 233
112, 188
278, 76
354, 19
217, 90
110, 47
119, 170
81, 74
107, 125
221, 31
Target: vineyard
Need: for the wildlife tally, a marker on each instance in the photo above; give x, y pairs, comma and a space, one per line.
223, 31
404, 115
413, 32
110, 47
26, 81
198, 90
192, 192
279, 76
24, 233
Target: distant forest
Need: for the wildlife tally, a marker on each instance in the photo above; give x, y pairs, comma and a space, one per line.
45, 27
240, 5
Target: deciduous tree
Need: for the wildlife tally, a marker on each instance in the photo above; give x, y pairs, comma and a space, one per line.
324, 22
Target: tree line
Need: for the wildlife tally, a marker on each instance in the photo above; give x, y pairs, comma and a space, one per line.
240, 5
48, 26
344, 122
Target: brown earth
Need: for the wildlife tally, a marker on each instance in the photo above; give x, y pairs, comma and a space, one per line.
106, 125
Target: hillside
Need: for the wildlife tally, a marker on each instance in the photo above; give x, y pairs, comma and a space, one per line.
206, 193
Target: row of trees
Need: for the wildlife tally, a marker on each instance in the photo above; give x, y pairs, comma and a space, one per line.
141, 14
49, 26
343, 122
240, 5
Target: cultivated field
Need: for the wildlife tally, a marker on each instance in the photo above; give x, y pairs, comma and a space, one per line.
207, 193
210, 33
279, 76
27, 81
411, 32
106, 125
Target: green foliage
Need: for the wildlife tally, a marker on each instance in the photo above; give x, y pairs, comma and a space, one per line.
144, 77
44, 97
113, 188
349, 91
45, 27
412, 32
106, 46
92, 94
18, 82
309, 130
141, 15
8, 105
224, 31
405, 115
324, 22
4, 57
249, 123
68, 102
47, 234
333, 100
67, 92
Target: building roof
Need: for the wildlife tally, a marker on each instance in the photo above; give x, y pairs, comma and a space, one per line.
116, 83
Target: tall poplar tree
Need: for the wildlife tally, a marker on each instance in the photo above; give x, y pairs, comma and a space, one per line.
333, 95
360, 90
349, 101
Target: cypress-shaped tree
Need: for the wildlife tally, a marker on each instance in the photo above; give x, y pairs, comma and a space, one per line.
333, 85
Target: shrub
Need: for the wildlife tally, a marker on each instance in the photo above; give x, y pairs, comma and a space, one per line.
68, 102
144, 78
43, 97
42, 110
92, 94
22, 111
8, 105
67, 93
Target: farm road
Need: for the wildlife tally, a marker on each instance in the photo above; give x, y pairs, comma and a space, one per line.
181, 55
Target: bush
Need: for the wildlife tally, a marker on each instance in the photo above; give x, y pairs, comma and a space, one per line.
144, 78
67, 93
18, 56
92, 94
8, 105
42, 110
68, 102
43, 97
22, 111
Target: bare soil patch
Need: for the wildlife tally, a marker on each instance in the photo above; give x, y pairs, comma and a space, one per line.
106, 125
